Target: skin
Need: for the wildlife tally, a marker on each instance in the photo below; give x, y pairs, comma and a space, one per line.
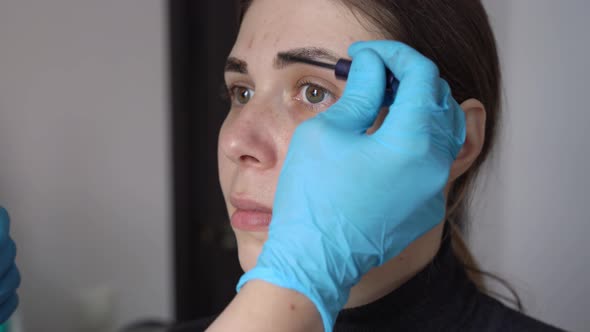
255, 136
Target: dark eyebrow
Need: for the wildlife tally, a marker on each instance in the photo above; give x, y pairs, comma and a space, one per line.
284, 59
236, 65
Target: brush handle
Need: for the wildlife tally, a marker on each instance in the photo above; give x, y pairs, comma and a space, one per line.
342, 68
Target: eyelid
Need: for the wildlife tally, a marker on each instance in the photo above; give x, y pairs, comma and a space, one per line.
229, 96
322, 83
239, 82
314, 81
315, 107
233, 79
230, 86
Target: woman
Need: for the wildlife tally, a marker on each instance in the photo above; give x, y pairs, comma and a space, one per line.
368, 203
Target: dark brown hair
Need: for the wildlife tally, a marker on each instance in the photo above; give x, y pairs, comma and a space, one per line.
457, 36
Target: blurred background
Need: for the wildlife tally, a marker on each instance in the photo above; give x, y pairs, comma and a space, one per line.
108, 122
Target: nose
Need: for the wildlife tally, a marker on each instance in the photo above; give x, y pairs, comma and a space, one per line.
246, 138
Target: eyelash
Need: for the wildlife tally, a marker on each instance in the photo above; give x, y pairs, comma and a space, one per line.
314, 107
227, 93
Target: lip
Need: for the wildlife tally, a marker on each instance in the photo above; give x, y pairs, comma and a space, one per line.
248, 204
250, 215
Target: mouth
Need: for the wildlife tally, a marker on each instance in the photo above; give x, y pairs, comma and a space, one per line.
250, 215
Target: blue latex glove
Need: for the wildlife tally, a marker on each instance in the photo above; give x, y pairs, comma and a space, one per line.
347, 201
9, 275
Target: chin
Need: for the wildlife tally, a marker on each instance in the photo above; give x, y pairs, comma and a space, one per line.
249, 247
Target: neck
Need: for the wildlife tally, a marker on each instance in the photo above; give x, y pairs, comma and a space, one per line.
384, 279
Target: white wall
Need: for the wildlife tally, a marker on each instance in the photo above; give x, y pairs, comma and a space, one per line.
83, 157
531, 221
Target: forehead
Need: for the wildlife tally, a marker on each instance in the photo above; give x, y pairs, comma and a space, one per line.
271, 26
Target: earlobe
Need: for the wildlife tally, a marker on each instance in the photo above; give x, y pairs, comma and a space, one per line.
475, 126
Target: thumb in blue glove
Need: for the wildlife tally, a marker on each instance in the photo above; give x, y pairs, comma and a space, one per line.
347, 201
9, 274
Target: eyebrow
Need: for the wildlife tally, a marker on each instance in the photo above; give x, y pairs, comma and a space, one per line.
236, 65
283, 59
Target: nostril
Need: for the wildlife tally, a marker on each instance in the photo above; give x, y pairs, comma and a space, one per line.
246, 159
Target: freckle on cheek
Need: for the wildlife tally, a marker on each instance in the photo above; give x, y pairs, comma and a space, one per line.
250, 43
292, 306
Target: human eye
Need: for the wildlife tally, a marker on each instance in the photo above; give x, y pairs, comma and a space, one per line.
314, 96
238, 95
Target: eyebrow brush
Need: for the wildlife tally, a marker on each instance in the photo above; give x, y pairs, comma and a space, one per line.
342, 68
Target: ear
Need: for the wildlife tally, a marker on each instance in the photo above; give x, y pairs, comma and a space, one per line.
475, 125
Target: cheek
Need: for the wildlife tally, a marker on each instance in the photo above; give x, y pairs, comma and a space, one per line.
297, 114
224, 164
378, 121
224, 171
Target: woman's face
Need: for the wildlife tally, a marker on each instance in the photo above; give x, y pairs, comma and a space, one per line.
270, 98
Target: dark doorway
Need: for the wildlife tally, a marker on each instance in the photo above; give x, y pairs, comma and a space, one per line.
205, 259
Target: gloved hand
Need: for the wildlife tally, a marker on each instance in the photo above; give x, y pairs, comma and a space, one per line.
347, 201
9, 275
